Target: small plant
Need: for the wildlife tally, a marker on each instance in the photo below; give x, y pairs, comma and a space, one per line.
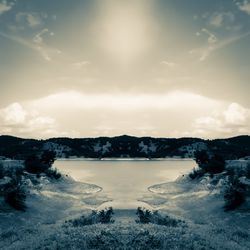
146, 216
104, 216
165, 220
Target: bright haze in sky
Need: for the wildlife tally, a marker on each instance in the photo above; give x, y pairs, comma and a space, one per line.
88, 68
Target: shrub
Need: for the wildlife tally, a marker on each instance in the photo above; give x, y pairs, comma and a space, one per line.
211, 165
103, 216
2, 174
248, 171
15, 197
48, 157
146, 216
196, 173
14, 193
234, 194
201, 157
33, 165
53, 173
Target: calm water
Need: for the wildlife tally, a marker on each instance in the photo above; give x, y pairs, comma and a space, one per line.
125, 181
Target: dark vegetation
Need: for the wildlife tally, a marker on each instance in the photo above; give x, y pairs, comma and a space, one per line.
235, 192
13, 190
214, 164
13, 187
146, 216
103, 216
42, 165
124, 146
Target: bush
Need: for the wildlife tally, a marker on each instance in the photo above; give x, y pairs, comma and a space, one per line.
201, 157
2, 174
146, 216
14, 193
48, 157
211, 165
248, 171
16, 197
234, 195
103, 216
196, 173
53, 173
35, 165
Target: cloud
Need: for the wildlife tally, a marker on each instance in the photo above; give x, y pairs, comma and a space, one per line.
4, 7
13, 114
15, 119
37, 44
211, 37
31, 19
244, 6
218, 19
170, 65
123, 102
234, 120
214, 44
236, 115
80, 65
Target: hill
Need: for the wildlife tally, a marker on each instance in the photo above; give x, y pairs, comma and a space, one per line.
125, 146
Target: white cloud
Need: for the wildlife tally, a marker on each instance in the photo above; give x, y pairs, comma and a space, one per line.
37, 44
45, 51
80, 65
32, 19
211, 37
15, 119
76, 100
219, 19
13, 114
214, 44
4, 7
236, 115
234, 120
170, 65
244, 6
174, 114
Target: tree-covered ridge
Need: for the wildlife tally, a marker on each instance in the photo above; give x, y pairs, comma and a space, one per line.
125, 146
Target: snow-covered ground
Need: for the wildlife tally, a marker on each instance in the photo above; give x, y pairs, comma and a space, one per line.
198, 204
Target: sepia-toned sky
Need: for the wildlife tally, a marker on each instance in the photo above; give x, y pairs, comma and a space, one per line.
88, 68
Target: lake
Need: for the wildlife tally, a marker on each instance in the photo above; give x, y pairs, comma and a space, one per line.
125, 182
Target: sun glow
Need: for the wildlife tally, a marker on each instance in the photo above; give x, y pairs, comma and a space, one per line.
125, 30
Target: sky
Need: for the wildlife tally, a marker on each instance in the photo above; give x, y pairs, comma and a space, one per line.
90, 68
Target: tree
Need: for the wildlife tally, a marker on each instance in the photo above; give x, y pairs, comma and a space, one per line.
48, 157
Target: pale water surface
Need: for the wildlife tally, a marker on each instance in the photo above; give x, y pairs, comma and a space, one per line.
125, 182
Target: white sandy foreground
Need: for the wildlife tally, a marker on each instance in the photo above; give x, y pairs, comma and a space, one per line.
198, 205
